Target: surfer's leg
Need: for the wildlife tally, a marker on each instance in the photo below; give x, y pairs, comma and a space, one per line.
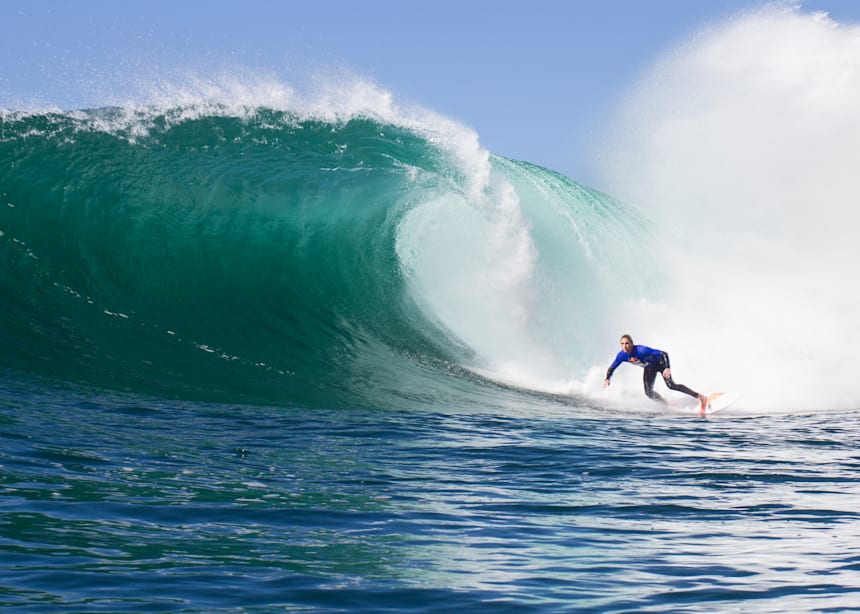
670, 383
648, 380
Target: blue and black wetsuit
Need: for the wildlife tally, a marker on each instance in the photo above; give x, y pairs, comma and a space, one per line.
654, 362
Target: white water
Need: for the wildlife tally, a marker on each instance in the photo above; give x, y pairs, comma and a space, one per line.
470, 263
742, 144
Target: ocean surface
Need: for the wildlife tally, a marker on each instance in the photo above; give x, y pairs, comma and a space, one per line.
271, 360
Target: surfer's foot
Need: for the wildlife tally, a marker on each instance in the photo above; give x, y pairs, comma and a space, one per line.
703, 403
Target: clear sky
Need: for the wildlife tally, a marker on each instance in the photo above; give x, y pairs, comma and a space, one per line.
538, 80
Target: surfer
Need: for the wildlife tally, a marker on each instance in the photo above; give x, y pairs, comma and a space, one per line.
654, 362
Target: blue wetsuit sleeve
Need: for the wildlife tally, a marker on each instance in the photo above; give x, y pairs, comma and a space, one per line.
619, 358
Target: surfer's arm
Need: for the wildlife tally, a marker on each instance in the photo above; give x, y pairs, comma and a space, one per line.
655, 358
664, 359
618, 360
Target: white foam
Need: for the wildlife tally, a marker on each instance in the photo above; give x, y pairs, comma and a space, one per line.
742, 145
469, 262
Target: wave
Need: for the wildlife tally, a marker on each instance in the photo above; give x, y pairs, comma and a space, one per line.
240, 242
250, 253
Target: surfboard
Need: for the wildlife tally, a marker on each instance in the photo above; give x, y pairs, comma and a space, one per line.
720, 400
716, 402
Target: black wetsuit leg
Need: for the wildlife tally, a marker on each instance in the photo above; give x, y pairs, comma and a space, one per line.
670, 383
648, 380
651, 374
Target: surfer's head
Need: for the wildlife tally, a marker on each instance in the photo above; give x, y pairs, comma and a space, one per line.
627, 343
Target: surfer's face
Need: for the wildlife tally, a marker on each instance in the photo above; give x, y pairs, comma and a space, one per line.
626, 345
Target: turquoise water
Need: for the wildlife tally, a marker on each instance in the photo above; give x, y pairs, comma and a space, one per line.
258, 360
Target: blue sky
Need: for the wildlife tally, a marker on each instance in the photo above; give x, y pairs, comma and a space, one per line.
537, 80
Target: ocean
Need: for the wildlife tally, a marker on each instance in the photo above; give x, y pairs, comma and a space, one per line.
262, 359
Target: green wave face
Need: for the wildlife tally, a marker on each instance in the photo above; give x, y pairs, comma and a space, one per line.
270, 257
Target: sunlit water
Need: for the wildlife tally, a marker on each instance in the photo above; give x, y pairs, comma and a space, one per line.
131, 504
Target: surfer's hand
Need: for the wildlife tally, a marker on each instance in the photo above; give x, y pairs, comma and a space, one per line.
606, 383
667, 373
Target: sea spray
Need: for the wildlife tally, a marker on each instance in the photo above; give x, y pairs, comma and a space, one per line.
742, 146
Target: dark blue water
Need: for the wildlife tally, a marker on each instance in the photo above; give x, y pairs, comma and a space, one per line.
120, 503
